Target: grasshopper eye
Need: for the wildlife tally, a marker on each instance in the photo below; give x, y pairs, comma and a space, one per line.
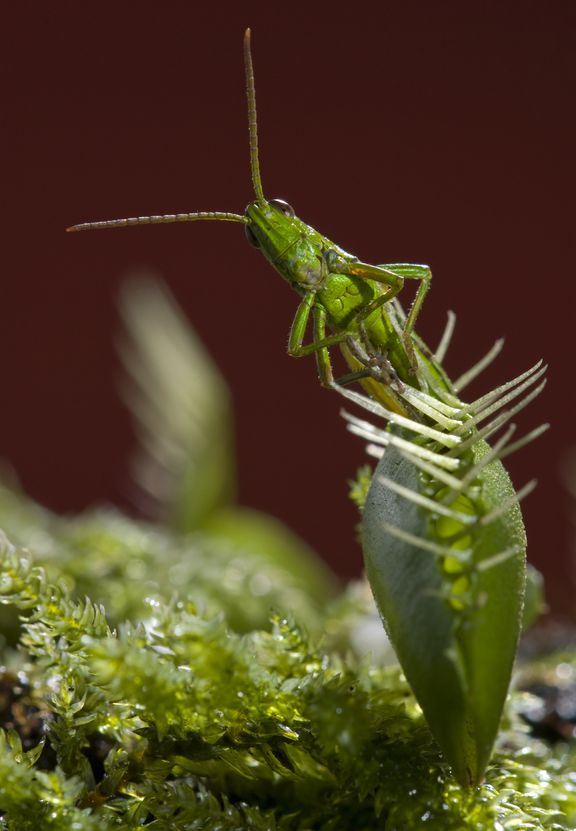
251, 236
283, 206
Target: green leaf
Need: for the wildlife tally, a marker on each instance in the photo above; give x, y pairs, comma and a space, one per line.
456, 648
182, 407
266, 538
535, 600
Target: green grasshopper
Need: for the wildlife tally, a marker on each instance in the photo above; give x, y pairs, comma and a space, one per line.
443, 538
345, 295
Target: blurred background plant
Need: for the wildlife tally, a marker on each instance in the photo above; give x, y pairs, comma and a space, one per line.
198, 542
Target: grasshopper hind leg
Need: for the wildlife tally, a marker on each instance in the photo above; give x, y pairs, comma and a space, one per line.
376, 363
412, 272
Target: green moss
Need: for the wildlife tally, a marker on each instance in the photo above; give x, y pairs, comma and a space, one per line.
360, 486
180, 723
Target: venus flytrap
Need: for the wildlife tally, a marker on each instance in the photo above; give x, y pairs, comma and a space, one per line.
444, 547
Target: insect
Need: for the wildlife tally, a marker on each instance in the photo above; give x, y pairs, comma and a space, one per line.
342, 294
443, 538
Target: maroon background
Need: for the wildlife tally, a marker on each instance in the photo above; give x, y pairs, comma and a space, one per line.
435, 132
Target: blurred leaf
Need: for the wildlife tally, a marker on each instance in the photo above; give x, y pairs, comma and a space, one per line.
186, 464
269, 539
534, 600
182, 406
129, 565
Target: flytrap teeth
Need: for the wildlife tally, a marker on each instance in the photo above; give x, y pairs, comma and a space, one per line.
491, 516
376, 436
426, 545
414, 397
494, 425
497, 559
427, 503
432, 470
474, 371
475, 470
441, 463
446, 338
447, 439
498, 398
529, 437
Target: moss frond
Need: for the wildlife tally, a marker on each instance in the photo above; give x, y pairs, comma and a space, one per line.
181, 723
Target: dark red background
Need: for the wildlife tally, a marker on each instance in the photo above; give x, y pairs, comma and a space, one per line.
437, 132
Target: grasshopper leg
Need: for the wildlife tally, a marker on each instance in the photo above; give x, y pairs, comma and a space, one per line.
409, 271
320, 344
377, 364
392, 277
324, 362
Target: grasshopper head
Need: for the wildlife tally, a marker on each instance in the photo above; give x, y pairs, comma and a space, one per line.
286, 242
271, 227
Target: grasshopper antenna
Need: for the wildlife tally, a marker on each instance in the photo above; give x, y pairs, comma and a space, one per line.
252, 120
222, 216
162, 219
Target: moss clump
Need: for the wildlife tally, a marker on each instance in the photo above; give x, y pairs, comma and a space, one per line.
128, 564
177, 722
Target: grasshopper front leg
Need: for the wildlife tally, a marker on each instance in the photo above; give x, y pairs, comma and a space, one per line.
320, 345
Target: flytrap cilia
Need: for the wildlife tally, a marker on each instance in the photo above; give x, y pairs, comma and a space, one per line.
442, 531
